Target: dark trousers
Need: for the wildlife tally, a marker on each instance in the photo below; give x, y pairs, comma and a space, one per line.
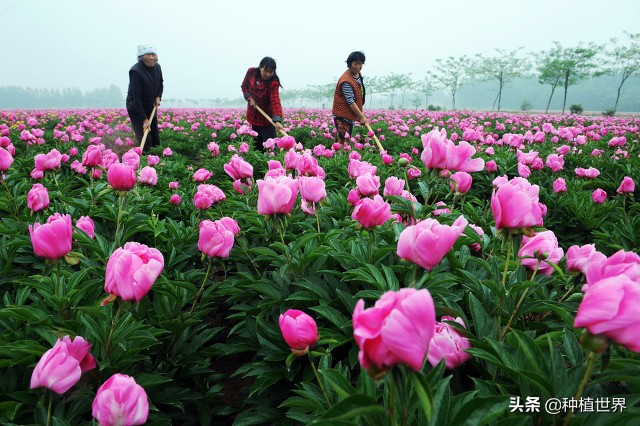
264, 133
153, 139
342, 126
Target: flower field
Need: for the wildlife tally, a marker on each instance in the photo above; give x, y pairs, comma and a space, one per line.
482, 269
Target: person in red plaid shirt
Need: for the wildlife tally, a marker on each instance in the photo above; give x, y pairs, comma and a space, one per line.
261, 87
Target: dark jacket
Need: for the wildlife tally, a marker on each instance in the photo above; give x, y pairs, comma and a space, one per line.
145, 85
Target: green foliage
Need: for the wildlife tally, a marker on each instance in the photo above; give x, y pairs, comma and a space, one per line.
576, 109
226, 360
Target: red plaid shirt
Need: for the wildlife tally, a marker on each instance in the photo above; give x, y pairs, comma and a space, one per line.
265, 93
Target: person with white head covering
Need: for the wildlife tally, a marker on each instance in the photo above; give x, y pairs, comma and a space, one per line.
145, 92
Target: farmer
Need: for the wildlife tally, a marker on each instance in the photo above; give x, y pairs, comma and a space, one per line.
260, 88
348, 98
145, 92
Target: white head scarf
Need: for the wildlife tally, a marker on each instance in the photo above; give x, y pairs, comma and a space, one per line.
143, 49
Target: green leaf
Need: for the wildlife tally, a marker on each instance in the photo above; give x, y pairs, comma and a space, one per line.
332, 314
338, 382
481, 411
351, 407
423, 389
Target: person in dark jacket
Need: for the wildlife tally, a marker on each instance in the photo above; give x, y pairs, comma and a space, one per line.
145, 92
261, 87
349, 96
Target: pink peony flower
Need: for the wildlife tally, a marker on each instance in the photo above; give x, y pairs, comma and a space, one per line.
580, 259
610, 308
555, 162
132, 270
480, 232
542, 246
443, 154
53, 239
427, 242
38, 198
237, 168
461, 182
627, 186
277, 195
6, 159
148, 176
393, 186
590, 173
599, 196
175, 199
396, 330
85, 223
61, 366
620, 263
121, 177
523, 171
216, 240
559, 185
515, 205
202, 175
299, 331
132, 159
152, 160
120, 401
371, 212
449, 344
230, 224
357, 168
92, 157
286, 142
368, 184
312, 188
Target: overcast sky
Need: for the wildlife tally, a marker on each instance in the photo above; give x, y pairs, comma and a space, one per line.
205, 47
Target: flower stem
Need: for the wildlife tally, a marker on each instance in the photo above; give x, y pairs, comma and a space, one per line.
515, 310
392, 398
49, 409
317, 218
504, 281
281, 225
591, 361
413, 209
60, 289
313, 367
195, 301
107, 348
120, 201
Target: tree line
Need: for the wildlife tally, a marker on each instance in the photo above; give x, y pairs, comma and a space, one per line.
15, 97
557, 68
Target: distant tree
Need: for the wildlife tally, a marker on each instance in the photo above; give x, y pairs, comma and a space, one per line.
372, 86
388, 87
452, 74
624, 60
504, 67
404, 83
321, 92
426, 86
105, 97
73, 97
550, 70
574, 65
